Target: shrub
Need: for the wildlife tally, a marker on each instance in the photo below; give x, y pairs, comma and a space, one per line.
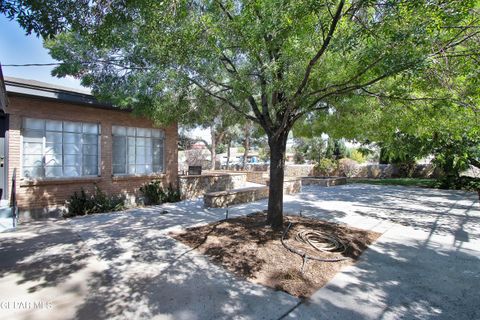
172, 195
348, 167
98, 202
463, 183
154, 194
326, 167
357, 156
79, 204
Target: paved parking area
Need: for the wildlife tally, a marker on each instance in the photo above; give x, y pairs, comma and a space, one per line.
426, 265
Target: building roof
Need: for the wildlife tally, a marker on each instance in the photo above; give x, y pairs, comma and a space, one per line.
47, 91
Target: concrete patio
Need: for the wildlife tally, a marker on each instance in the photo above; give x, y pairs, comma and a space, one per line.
426, 265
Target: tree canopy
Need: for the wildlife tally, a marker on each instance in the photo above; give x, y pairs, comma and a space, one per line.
272, 62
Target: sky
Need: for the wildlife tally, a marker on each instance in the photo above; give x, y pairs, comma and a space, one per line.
18, 48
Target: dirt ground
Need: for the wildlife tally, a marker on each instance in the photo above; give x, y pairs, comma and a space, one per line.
250, 250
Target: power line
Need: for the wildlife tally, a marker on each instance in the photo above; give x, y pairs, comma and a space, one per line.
31, 65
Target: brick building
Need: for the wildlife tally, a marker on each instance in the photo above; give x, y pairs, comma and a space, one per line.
59, 140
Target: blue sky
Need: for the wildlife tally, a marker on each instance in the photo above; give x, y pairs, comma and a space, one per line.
18, 48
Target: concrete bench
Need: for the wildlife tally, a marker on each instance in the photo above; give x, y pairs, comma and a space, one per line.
221, 199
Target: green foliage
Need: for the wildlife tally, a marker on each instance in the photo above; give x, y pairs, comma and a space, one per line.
154, 193
326, 167
336, 149
310, 148
352, 69
459, 183
455, 154
79, 204
357, 156
264, 153
221, 148
98, 202
172, 195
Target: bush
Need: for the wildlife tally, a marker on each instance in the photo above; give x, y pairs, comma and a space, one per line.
172, 195
154, 194
326, 167
348, 167
79, 204
459, 183
357, 156
98, 202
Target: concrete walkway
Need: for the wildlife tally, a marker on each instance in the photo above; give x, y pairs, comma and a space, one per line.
426, 265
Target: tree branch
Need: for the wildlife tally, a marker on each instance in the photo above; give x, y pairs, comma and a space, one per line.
213, 94
384, 96
355, 77
351, 88
322, 50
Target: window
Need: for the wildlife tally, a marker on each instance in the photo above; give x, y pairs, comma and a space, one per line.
137, 150
59, 148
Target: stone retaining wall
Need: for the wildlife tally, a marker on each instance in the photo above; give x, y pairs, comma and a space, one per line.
378, 171
224, 199
290, 185
299, 170
325, 182
197, 185
257, 177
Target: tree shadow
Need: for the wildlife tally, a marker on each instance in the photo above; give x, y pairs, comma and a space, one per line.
397, 280
149, 274
45, 254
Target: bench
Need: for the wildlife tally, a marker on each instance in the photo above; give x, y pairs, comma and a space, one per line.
221, 199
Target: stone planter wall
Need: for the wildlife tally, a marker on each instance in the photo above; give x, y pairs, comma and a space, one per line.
290, 185
257, 177
324, 182
198, 185
299, 170
224, 199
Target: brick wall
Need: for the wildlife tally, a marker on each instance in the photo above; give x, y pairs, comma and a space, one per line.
50, 194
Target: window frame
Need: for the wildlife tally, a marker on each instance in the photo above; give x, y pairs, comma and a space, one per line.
126, 173
43, 177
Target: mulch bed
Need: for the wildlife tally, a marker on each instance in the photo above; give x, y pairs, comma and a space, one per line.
249, 249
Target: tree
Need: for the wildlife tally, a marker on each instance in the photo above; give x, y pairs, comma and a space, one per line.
248, 129
310, 148
272, 62
336, 149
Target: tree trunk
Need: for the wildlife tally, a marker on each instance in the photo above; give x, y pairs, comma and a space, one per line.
246, 145
228, 152
278, 149
213, 147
